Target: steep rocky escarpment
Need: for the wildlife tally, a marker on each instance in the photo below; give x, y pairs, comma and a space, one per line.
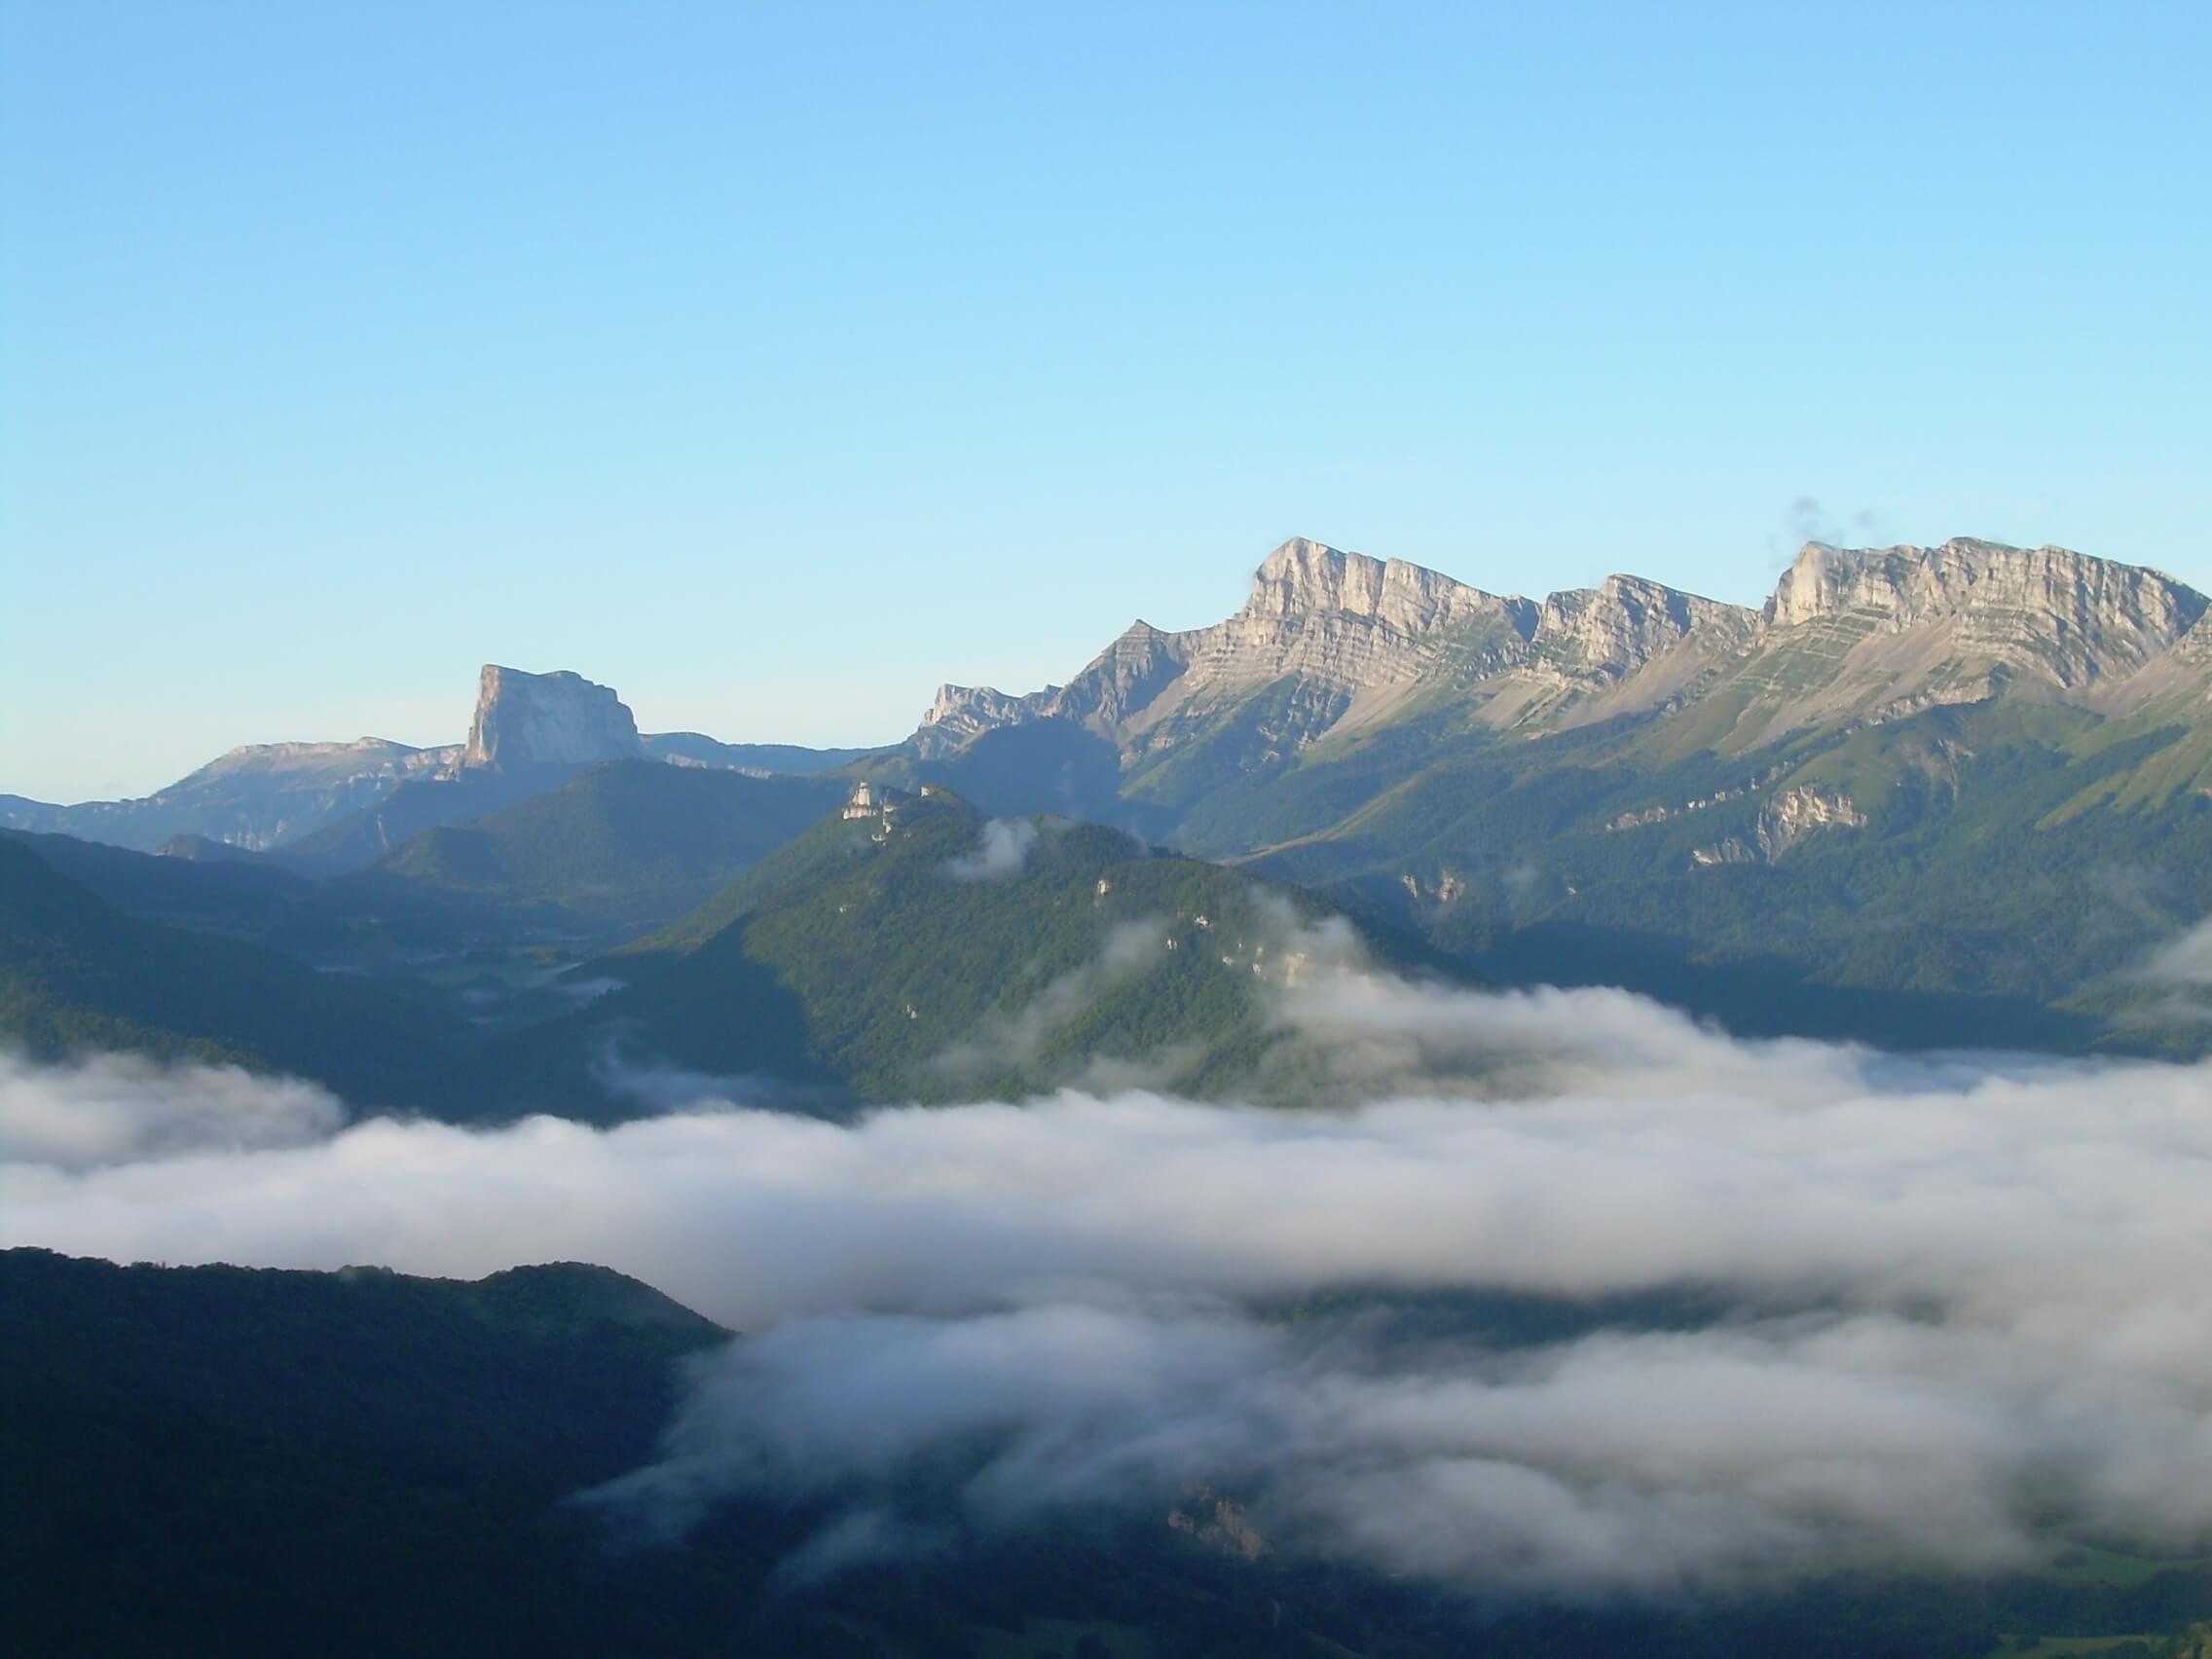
1848, 637
560, 718
963, 712
1368, 630
1882, 633
1783, 823
2078, 617
528, 729
1617, 627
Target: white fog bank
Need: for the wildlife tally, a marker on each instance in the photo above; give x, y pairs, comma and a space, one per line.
1949, 1303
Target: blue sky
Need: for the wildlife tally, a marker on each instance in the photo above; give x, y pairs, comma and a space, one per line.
775, 363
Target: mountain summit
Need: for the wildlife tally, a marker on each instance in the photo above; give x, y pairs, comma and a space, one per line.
1925, 795
560, 718
527, 731
1346, 643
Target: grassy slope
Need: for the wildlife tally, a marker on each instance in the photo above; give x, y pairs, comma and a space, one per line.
1980, 895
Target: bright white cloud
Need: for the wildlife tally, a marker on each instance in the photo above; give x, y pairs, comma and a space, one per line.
121, 1109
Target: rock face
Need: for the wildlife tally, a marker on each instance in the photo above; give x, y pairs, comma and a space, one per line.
1340, 641
1873, 633
962, 713
1354, 636
1624, 623
538, 720
1784, 821
527, 727
2195, 646
2074, 617
1302, 579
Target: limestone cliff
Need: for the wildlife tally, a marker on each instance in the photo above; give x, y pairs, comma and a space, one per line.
1354, 636
1783, 823
559, 718
2066, 614
1340, 642
1876, 634
963, 712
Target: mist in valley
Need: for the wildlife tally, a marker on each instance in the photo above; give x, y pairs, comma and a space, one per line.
1580, 1297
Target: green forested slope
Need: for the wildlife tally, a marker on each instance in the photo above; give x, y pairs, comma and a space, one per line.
77, 974
624, 844
858, 962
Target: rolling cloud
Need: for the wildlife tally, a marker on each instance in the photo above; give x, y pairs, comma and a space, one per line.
120, 1109
1001, 851
1590, 1298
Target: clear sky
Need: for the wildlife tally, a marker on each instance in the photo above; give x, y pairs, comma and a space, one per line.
774, 363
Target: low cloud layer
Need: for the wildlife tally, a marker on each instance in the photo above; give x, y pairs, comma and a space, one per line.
1596, 1298
2173, 986
2184, 960
121, 1109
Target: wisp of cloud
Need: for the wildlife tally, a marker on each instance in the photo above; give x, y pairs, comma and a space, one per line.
1001, 851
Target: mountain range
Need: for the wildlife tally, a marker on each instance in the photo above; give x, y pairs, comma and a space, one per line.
528, 733
1922, 793
1925, 797
1334, 649
1921, 796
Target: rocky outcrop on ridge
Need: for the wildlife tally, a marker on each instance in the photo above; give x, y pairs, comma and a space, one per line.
557, 719
1848, 637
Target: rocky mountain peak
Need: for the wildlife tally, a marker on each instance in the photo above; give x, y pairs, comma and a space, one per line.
1625, 621
1304, 578
1911, 583
956, 704
2073, 617
559, 718
959, 713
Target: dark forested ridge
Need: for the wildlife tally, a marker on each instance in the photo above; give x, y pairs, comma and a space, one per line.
78, 975
863, 960
621, 845
215, 1459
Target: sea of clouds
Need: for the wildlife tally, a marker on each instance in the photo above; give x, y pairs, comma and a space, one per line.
1943, 1310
